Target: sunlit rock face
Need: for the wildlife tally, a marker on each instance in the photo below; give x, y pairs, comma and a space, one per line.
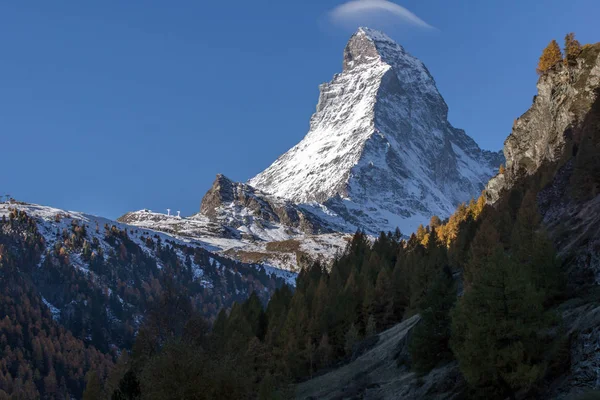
380, 152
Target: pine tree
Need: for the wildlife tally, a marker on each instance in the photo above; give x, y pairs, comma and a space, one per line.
93, 387
525, 227
268, 388
497, 328
572, 48
549, 58
220, 325
352, 337
129, 388
383, 301
531, 247
368, 305
400, 287
430, 341
426, 268
371, 328
324, 352
483, 247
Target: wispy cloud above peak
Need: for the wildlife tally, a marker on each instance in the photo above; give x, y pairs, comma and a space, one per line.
355, 9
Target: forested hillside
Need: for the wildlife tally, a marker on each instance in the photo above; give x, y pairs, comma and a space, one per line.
510, 274
75, 293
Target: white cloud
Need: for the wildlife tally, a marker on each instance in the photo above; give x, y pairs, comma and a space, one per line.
356, 8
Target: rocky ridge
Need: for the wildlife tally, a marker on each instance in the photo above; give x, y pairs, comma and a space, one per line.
380, 155
380, 151
242, 222
556, 142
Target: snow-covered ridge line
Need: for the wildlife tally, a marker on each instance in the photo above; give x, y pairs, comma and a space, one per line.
52, 220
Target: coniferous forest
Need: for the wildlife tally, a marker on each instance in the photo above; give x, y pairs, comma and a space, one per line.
485, 282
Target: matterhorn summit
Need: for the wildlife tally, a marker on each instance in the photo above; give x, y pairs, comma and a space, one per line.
380, 152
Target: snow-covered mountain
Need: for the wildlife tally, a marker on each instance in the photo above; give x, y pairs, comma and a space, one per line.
380, 151
99, 277
380, 155
52, 223
242, 222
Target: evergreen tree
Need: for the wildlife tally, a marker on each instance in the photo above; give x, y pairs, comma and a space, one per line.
531, 247
484, 246
400, 286
129, 388
371, 329
324, 352
497, 328
427, 264
430, 341
352, 338
255, 316
220, 324
421, 232
268, 388
276, 314
93, 387
383, 311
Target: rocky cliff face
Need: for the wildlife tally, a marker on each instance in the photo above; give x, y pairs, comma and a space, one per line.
244, 223
555, 148
380, 152
237, 205
551, 130
558, 139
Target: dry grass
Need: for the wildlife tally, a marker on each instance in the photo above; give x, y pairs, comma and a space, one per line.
285, 246
249, 257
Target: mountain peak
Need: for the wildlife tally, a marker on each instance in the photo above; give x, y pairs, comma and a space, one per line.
367, 46
380, 151
374, 35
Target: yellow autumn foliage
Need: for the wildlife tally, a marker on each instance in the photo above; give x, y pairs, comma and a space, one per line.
549, 58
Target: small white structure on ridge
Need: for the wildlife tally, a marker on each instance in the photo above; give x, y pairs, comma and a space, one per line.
168, 212
178, 214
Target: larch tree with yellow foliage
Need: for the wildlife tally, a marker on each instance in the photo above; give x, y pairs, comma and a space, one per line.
549, 58
572, 48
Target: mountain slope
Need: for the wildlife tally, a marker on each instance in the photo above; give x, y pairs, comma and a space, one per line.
380, 151
239, 221
376, 374
99, 277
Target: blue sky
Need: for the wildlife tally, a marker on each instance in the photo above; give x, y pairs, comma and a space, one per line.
112, 106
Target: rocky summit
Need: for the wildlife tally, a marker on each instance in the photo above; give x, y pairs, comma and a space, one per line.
380, 152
